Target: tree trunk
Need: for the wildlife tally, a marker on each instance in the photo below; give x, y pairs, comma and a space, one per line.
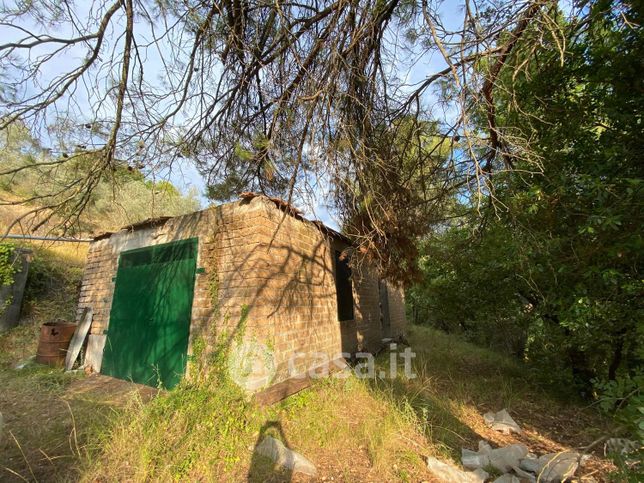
616, 360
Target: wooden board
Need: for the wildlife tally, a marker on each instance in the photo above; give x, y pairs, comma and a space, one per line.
79, 338
94, 352
284, 389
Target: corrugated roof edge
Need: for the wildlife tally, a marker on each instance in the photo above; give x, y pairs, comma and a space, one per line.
246, 195
135, 226
296, 213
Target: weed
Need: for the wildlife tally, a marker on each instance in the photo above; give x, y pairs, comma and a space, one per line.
7, 270
205, 429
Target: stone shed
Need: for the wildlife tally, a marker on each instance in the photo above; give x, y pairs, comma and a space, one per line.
252, 270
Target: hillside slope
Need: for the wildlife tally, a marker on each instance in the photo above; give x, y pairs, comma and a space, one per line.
351, 429
123, 195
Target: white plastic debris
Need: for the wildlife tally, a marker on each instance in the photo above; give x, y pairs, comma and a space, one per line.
22, 364
553, 466
501, 421
620, 446
450, 474
502, 459
561, 467
507, 478
283, 456
481, 474
531, 464
524, 475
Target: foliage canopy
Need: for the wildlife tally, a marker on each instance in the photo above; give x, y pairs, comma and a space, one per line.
550, 268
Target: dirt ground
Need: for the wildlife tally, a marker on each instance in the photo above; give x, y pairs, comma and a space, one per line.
57, 425
50, 417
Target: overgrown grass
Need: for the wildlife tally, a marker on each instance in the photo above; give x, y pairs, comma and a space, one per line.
47, 430
205, 429
457, 382
352, 429
51, 293
44, 433
54, 281
208, 433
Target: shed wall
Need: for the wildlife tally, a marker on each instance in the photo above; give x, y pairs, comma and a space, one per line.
396, 296
257, 261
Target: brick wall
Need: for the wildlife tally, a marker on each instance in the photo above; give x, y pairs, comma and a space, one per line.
367, 308
396, 296
226, 234
278, 269
294, 306
97, 286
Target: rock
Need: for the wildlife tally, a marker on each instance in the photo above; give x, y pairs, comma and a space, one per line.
553, 466
530, 464
502, 459
507, 478
283, 456
484, 447
501, 421
471, 460
524, 475
451, 474
481, 474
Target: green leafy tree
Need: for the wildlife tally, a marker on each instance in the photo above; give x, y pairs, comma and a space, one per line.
557, 254
121, 197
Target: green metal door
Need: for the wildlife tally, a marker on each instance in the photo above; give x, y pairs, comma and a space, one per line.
147, 339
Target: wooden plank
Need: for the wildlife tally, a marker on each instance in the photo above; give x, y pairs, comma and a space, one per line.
79, 338
94, 352
293, 385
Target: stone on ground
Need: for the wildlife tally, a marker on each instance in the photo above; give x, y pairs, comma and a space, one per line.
503, 459
507, 478
553, 466
275, 450
506, 458
501, 421
450, 474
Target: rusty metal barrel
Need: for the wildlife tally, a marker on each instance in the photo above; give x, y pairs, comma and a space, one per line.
53, 343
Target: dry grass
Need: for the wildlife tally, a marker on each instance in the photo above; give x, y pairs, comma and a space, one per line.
195, 433
458, 382
45, 432
51, 294
41, 439
352, 430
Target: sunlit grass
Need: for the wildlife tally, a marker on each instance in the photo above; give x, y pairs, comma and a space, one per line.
354, 430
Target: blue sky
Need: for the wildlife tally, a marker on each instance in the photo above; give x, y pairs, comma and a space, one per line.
184, 175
